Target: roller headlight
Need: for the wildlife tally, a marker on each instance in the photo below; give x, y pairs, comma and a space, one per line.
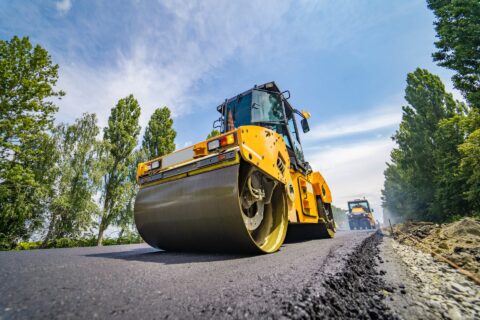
214, 144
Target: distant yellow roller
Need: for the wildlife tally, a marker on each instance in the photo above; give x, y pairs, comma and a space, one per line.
240, 191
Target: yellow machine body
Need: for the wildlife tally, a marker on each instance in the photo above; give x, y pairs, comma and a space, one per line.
235, 192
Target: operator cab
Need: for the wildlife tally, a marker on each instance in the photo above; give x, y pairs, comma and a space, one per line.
268, 107
363, 204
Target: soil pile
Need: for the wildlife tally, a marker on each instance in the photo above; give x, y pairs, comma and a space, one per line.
458, 241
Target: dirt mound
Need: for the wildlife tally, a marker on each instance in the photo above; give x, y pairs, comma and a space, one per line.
458, 241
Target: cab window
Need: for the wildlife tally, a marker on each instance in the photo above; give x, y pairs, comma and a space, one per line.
297, 147
359, 204
238, 112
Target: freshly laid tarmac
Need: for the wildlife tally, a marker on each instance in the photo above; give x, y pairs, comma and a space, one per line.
136, 281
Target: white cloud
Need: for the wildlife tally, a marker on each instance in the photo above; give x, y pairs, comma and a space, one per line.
164, 59
63, 6
355, 170
359, 123
162, 66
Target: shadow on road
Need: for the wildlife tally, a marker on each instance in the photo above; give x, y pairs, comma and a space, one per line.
164, 257
302, 233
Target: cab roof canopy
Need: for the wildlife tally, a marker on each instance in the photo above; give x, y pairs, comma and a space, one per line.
358, 200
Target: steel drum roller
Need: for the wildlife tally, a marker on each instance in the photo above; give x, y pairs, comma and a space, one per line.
203, 212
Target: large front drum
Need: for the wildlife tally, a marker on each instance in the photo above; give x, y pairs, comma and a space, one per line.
203, 212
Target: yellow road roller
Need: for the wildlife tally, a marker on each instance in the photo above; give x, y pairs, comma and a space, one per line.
360, 215
241, 191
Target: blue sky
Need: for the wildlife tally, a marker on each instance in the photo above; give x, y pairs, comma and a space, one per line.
344, 61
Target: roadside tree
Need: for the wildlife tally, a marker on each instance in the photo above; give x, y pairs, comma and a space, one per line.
72, 206
27, 93
458, 32
159, 137
119, 141
424, 168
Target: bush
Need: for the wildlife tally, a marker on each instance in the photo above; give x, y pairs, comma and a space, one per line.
73, 243
28, 245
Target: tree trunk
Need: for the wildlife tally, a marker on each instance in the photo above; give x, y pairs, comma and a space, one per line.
101, 229
104, 222
120, 234
50, 232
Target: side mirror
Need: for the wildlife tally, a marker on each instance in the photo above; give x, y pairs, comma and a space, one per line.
285, 94
305, 126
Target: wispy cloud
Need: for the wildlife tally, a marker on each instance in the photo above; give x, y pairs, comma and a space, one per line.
63, 6
162, 66
361, 122
168, 49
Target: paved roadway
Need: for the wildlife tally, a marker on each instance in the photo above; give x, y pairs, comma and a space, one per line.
136, 281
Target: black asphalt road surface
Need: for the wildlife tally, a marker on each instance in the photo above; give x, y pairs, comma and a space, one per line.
138, 282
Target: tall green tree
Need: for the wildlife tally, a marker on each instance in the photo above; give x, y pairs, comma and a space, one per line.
470, 160
124, 219
159, 138
73, 207
416, 174
27, 94
458, 32
449, 182
397, 195
339, 215
120, 139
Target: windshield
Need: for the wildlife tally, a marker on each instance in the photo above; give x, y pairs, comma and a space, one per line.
255, 107
359, 204
266, 107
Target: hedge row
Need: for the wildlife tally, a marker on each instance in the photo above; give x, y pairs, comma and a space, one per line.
72, 243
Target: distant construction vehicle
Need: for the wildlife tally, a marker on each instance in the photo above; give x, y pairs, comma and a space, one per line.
360, 215
239, 191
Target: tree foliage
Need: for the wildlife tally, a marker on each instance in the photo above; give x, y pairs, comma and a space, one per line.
53, 179
124, 218
339, 215
214, 133
159, 135
423, 180
120, 139
470, 160
27, 92
434, 171
458, 32
76, 179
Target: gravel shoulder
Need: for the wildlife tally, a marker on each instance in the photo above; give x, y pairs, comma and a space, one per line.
422, 288
458, 241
